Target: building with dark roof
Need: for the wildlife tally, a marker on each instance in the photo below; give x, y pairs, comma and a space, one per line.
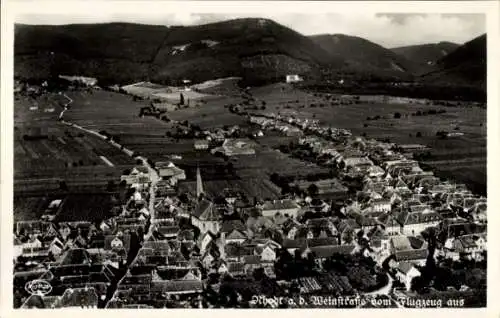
206, 217
284, 207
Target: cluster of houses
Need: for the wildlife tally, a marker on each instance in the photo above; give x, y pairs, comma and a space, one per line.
159, 250
398, 200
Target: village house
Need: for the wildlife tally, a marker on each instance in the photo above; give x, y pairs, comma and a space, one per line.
347, 229
236, 269
390, 224
169, 172
284, 207
138, 177
266, 252
380, 205
322, 253
413, 223
365, 222
235, 147
85, 298
235, 252
469, 246
408, 248
293, 78
201, 144
322, 227
405, 272
119, 244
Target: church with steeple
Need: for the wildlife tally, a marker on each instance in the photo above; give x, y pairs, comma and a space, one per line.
204, 216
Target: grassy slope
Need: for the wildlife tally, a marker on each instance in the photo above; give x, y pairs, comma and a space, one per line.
365, 56
422, 54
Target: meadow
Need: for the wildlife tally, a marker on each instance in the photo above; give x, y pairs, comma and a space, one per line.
251, 188
267, 161
212, 114
112, 112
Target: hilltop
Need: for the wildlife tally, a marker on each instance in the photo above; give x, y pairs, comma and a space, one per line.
257, 50
123, 52
426, 54
464, 65
365, 56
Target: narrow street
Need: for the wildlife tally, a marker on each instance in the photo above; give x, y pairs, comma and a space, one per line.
152, 193
154, 177
384, 290
152, 172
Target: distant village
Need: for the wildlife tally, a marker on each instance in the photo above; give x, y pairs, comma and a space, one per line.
378, 231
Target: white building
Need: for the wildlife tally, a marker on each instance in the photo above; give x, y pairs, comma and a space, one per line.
293, 78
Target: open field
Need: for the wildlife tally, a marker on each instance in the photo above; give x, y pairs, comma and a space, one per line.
274, 139
222, 86
168, 93
471, 121
90, 206
80, 179
268, 161
29, 208
65, 148
113, 112
213, 114
36, 112
260, 188
85, 207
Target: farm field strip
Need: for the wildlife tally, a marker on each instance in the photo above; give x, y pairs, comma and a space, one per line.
30, 151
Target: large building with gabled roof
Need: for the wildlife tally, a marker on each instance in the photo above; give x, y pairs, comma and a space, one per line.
205, 217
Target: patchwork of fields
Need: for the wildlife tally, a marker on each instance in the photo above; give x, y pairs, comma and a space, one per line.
86, 163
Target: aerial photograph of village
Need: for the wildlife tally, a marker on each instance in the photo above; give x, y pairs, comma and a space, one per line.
250, 161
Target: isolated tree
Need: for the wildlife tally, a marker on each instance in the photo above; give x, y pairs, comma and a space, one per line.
418, 134
312, 190
182, 100
397, 115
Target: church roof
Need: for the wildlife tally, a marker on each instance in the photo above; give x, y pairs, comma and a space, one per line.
205, 211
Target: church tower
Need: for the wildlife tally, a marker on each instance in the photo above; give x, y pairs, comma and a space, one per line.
199, 183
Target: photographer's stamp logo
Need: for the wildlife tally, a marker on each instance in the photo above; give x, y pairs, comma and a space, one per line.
38, 287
